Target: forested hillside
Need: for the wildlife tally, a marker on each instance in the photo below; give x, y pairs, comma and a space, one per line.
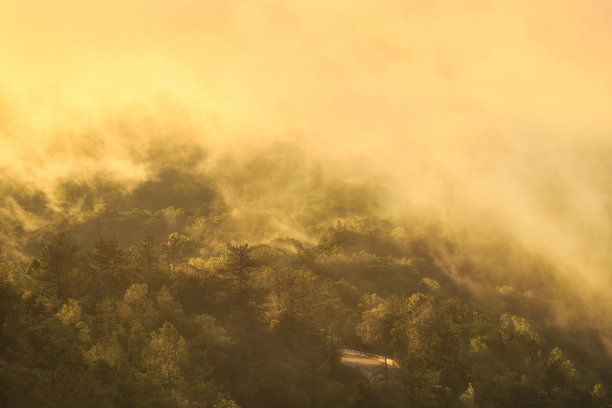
237, 283
305, 204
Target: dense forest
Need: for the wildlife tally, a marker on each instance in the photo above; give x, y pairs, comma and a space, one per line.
239, 285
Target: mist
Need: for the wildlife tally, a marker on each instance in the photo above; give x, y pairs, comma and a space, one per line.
490, 119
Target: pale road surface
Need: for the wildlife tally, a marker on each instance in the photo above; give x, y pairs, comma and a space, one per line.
371, 366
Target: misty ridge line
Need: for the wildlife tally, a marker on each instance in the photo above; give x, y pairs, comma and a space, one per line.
459, 153
278, 189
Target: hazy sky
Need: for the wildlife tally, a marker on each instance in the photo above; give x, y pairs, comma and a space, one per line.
357, 72
484, 110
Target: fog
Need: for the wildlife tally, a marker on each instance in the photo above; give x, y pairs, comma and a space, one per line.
490, 117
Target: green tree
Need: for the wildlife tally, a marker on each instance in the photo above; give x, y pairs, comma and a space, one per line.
174, 246
239, 264
377, 325
106, 273
166, 353
137, 307
145, 256
55, 268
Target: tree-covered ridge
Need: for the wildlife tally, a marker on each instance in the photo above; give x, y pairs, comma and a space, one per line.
240, 285
193, 321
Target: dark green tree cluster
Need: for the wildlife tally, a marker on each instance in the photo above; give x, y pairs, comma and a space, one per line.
141, 301
264, 326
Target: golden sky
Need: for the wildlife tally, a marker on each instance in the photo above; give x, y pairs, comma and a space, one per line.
352, 70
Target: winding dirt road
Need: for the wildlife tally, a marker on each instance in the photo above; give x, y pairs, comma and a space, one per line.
371, 366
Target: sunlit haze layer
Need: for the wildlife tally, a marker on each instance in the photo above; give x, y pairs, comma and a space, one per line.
492, 117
